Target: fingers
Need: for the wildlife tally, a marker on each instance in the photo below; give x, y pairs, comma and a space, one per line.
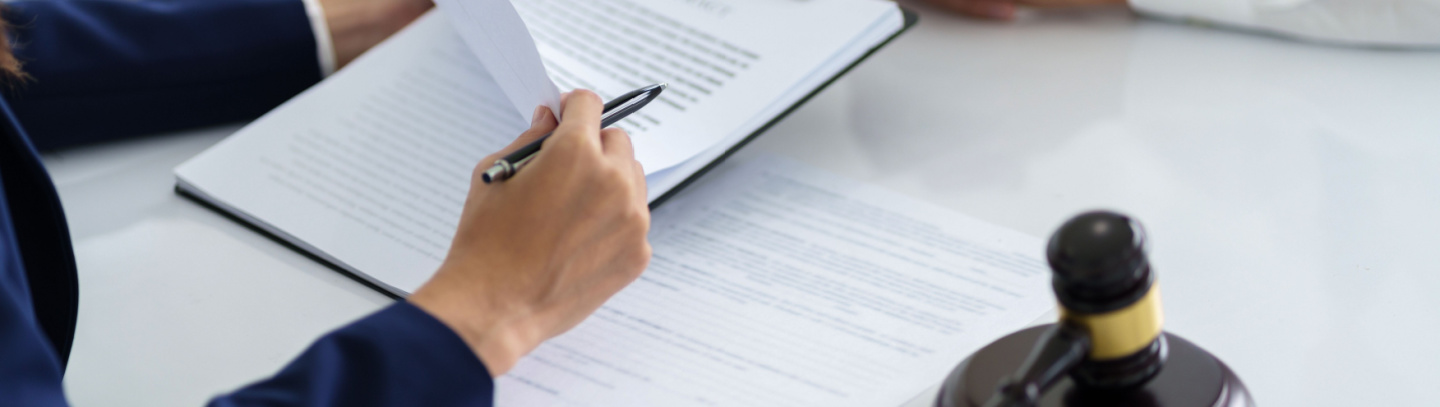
987, 9
619, 150
616, 145
582, 110
542, 122
542, 117
643, 190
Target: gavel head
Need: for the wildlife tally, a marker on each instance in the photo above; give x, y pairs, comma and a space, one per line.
1104, 284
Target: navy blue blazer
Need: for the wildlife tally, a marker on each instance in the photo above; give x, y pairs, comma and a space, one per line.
104, 69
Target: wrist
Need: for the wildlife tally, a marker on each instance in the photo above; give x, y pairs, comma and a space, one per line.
498, 336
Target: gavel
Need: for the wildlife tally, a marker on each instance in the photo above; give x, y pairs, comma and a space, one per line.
1108, 347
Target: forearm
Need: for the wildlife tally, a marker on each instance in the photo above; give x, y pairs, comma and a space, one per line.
103, 69
108, 69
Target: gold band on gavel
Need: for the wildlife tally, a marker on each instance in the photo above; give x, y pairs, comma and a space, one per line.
1121, 332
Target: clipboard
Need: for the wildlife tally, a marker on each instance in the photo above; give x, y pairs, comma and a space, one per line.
270, 232
910, 19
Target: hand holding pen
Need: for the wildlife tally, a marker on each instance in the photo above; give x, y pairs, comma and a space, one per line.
615, 110
535, 255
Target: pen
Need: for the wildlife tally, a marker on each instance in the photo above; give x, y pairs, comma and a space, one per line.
615, 110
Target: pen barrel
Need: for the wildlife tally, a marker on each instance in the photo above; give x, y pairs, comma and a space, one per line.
516, 166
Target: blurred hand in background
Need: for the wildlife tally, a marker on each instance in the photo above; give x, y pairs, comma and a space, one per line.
1005, 9
357, 25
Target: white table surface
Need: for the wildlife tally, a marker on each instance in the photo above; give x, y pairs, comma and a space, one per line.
1292, 193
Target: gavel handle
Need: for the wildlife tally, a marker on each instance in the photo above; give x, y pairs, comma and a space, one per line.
1059, 349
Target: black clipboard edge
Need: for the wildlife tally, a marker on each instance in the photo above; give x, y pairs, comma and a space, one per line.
234, 217
910, 20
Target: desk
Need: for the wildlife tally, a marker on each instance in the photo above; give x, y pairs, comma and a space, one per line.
1291, 191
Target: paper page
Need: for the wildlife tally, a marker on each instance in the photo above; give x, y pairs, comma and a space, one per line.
727, 62
498, 38
372, 166
773, 284
661, 182
369, 169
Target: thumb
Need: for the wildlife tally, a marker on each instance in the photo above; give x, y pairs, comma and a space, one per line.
541, 123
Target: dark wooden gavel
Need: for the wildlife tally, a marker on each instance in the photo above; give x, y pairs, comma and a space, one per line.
1108, 349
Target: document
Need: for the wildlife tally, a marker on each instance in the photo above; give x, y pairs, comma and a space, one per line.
498, 38
774, 284
374, 175
732, 65
369, 169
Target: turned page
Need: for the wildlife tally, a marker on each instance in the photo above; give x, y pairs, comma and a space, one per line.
727, 61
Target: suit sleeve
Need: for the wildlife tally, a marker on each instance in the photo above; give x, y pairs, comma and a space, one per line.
108, 69
1385, 23
400, 356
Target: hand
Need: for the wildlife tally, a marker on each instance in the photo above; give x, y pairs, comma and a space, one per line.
1005, 9
358, 25
536, 254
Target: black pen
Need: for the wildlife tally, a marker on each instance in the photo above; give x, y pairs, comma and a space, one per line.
615, 110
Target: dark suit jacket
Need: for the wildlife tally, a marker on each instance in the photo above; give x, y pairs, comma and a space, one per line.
105, 69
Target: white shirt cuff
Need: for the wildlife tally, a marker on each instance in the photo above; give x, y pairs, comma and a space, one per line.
1237, 12
324, 46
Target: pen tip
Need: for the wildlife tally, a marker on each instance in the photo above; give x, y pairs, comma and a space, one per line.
664, 85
